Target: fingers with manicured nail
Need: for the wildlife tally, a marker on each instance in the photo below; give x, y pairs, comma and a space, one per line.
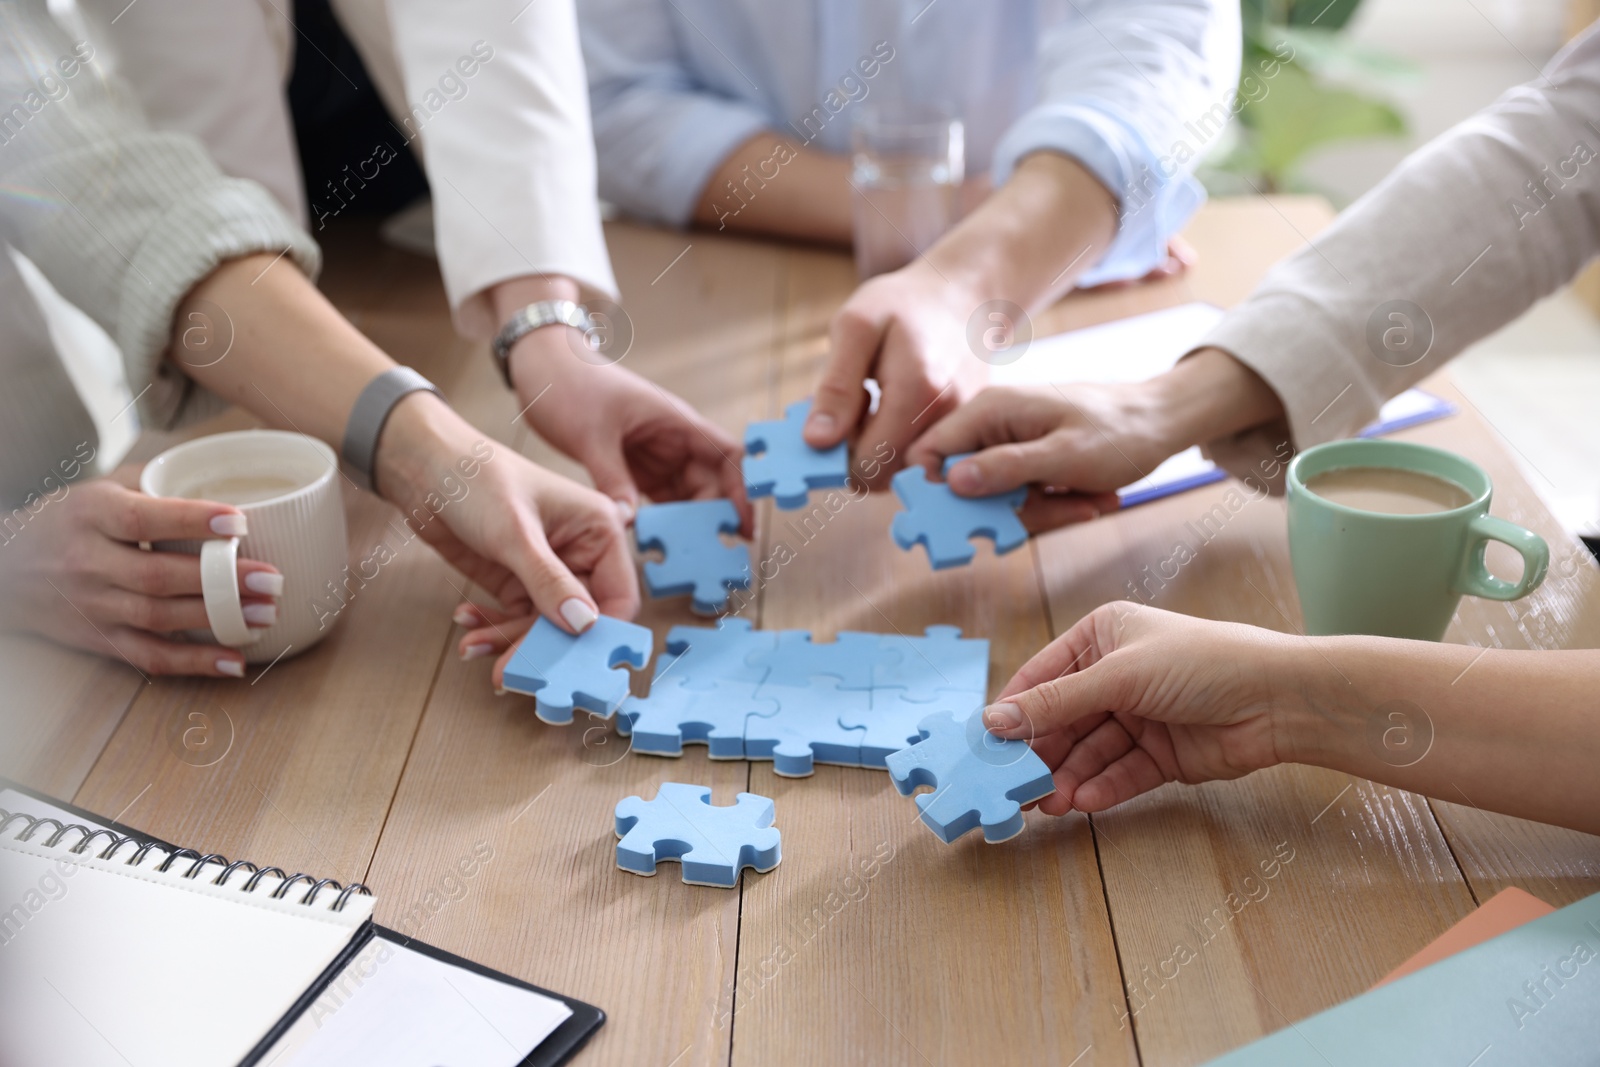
132, 517
256, 578
578, 614
495, 636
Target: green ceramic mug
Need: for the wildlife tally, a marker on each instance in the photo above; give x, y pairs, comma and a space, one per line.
1371, 572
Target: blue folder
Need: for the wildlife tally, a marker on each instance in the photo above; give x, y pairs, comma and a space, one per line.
1530, 996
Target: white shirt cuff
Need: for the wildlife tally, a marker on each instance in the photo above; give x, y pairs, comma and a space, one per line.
1151, 205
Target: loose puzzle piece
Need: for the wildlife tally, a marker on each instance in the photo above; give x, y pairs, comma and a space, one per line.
697, 562
978, 779
806, 730
892, 724
940, 659
564, 671
852, 658
704, 656
674, 714
713, 844
778, 462
946, 523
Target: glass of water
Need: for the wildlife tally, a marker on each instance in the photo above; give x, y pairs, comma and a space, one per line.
908, 166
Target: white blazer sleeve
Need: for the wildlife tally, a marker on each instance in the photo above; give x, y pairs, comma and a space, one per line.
494, 94
1463, 237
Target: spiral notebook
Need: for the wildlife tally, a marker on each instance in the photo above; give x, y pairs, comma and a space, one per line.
117, 949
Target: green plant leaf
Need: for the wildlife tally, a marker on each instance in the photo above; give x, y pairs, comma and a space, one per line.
1324, 52
1297, 114
1327, 14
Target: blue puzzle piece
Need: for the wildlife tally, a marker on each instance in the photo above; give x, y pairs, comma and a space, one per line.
946, 523
697, 562
806, 729
893, 722
978, 778
940, 659
778, 463
566, 672
674, 714
704, 656
713, 844
852, 658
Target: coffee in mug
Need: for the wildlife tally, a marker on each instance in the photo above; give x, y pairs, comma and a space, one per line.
287, 487
1387, 536
1388, 490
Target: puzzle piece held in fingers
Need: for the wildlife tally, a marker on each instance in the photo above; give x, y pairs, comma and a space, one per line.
978, 778
946, 524
565, 672
778, 462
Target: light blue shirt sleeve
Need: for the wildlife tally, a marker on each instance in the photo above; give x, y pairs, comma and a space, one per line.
1136, 91
659, 133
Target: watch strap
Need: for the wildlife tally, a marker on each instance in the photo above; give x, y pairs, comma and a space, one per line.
535, 316
371, 411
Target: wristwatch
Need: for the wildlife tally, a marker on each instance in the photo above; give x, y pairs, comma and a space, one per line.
535, 316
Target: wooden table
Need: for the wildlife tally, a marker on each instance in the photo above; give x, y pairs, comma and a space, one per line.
381, 757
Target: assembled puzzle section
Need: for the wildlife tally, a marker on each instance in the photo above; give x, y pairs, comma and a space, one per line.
807, 730
778, 462
565, 672
946, 524
727, 652
978, 779
679, 711
940, 659
851, 658
713, 844
799, 702
695, 562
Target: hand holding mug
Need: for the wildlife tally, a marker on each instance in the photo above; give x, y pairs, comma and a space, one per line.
75, 573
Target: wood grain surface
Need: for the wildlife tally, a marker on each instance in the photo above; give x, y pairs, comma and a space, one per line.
1164, 932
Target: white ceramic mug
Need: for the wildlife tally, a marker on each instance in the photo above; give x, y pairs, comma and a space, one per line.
287, 486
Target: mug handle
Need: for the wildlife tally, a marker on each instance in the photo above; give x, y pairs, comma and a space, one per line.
219, 583
1475, 577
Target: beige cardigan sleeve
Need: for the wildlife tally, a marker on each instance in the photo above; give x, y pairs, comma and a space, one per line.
122, 221
1466, 234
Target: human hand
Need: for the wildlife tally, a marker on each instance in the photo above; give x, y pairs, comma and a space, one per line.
907, 330
538, 543
1132, 697
74, 572
634, 438
1074, 445
1181, 255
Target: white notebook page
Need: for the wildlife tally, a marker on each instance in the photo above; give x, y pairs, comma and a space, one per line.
103, 964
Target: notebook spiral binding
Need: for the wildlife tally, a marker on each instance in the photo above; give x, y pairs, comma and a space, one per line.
31, 825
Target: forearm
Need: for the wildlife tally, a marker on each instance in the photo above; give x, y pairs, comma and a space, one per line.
1207, 396
1507, 731
291, 358
1031, 240
771, 185
296, 363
